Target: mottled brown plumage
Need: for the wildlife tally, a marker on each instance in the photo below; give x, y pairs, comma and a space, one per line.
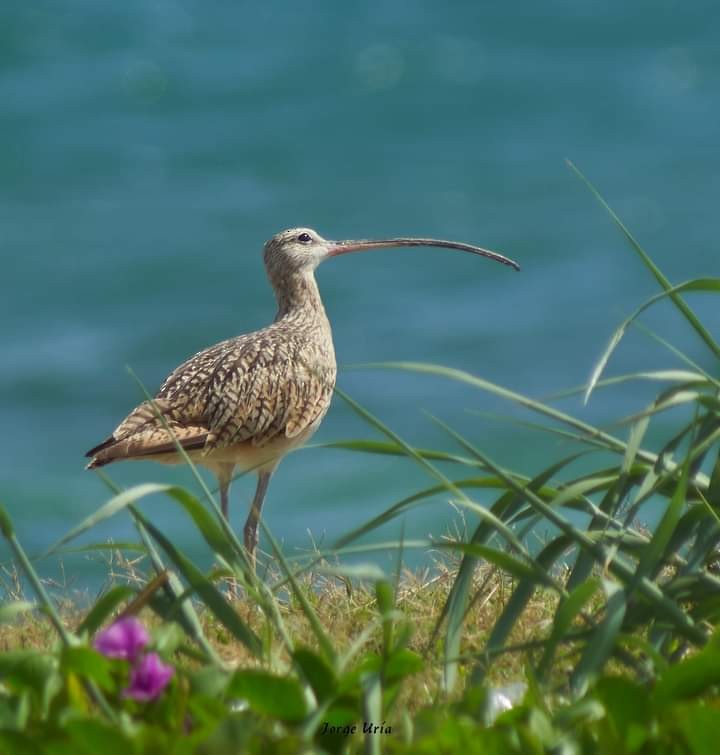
247, 401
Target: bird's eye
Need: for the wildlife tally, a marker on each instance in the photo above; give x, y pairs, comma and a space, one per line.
304, 238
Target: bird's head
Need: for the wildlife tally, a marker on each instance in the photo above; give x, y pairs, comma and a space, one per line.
301, 250
295, 250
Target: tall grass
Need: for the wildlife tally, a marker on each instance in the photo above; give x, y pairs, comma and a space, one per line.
629, 610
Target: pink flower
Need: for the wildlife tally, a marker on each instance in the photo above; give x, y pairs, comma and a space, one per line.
148, 678
123, 639
126, 639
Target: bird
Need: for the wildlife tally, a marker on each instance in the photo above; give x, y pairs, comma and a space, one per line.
246, 402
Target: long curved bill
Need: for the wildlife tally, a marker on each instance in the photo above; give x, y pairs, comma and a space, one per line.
345, 247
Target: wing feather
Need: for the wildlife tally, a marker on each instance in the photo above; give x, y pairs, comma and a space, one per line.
254, 387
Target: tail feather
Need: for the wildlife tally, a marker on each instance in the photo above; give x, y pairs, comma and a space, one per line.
100, 447
144, 445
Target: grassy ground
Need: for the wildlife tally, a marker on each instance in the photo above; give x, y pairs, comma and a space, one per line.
345, 609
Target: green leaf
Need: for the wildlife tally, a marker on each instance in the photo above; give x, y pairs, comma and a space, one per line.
19, 743
87, 663
617, 565
208, 681
317, 672
27, 668
113, 506
277, 696
401, 663
690, 678
91, 736
701, 725
627, 707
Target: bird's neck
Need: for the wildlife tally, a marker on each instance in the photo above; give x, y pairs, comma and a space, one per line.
298, 295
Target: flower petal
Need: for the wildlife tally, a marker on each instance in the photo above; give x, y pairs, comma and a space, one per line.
123, 639
148, 678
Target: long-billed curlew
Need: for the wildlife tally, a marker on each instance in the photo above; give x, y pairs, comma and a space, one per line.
247, 401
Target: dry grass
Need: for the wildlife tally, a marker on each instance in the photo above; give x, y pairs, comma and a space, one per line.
346, 609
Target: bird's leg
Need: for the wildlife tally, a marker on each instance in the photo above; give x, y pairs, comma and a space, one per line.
224, 473
224, 477
251, 525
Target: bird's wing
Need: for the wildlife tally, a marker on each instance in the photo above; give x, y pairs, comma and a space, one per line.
264, 391
251, 388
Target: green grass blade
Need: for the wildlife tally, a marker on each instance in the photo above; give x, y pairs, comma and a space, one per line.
405, 504
655, 552
206, 524
48, 607
520, 569
566, 613
457, 601
409, 450
700, 284
689, 315
609, 441
104, 607
187, 615
618, 566
372, 709
323, 640
601, 643
681, 355
117, 503
616, 492
664, 376
514, 608
68, 638
207, 591
383, 448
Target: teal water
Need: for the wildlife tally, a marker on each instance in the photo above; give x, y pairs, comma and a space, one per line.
148, 149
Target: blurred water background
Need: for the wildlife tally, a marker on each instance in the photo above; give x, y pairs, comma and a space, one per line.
149, 148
